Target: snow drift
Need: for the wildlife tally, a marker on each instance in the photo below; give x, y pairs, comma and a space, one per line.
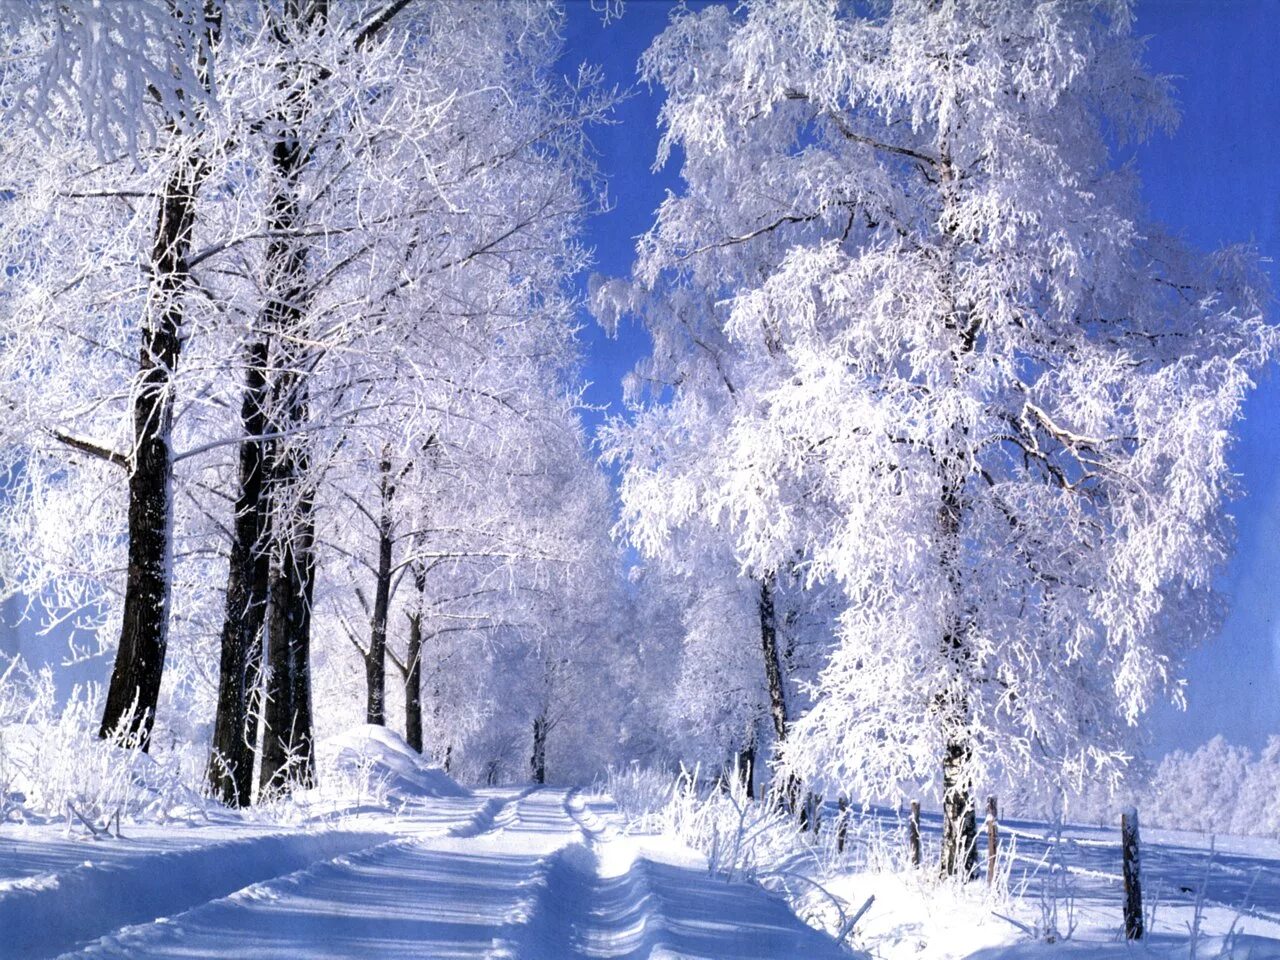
381, 761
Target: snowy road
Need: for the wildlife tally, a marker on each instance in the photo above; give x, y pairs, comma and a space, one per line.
518, 874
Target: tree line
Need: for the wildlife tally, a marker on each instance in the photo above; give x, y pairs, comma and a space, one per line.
927, 466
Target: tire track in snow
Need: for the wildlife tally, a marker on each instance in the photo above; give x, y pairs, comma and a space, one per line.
90, 901
604, 897
495, 814
410, 897
152, 939
539, 875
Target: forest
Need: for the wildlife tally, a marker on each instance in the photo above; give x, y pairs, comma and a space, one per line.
920, 490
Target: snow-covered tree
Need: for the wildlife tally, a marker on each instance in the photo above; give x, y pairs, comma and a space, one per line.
133, 73
377, 253
950, 366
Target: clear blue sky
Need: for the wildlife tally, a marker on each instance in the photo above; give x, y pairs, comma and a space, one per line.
1215, 180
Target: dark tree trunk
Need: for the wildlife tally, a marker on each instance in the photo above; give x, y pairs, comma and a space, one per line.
959, 822
1131, 861
375, 661
772, 663
287, 753
249, 578
913, 834
134, 688
747, 763
538, 761
235, 732
953, 460
413, 665
287, 740
790, 790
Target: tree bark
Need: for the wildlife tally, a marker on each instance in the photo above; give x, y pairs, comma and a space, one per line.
273, 402
959, 822
790, 794
375, 661
538, 761
235, 727
287, 751
913, 834
772, 663
747, 762
413, 665
993, 840
134, 689
1131, 861
287, 739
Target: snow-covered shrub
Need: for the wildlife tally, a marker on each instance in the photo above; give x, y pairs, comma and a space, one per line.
640, 792
53, 765
742, 838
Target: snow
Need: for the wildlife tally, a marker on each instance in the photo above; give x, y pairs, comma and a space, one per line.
432, 869
383, 758
1204, 897
533, 873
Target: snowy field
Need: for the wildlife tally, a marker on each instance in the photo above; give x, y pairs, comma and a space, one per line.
1204, 897
411, 865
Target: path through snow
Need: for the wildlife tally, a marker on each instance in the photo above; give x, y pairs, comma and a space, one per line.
516, 874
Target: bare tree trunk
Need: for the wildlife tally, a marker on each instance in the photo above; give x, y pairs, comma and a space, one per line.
413, 665
772, 663
133, 691
1131, 860
538, 762
959, 822
235, 726
286, 739
375, 661
134, 688
790, 790
913, 834
287, 751
993, 839
747, 761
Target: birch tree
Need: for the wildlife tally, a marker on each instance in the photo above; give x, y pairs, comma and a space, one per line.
986, 398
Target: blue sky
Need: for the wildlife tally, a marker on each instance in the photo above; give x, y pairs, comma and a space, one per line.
1215, 180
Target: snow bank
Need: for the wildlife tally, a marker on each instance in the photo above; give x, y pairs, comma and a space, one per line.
379, 761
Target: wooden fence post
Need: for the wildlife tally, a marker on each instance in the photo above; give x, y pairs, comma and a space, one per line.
993, 840
913, 834
1129, 845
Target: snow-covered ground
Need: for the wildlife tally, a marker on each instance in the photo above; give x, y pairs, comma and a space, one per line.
502, 873
1061, 894
394, 859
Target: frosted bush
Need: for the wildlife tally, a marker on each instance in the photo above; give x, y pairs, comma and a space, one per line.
52, 764
742, 838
